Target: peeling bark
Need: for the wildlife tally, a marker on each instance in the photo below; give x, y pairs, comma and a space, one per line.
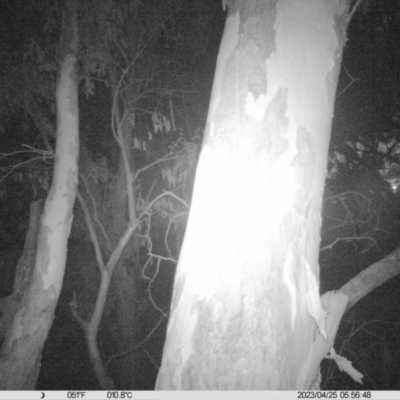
246, 309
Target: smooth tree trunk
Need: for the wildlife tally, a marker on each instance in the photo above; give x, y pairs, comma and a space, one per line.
246, 310
23, 344
23, 271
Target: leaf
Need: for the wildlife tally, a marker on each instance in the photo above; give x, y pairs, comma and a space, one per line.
346, 366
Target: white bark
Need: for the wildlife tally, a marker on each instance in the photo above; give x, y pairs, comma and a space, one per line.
246, 307
21, 351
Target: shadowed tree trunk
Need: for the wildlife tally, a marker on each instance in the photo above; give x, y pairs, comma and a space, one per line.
24, 270
24, 341
246, 311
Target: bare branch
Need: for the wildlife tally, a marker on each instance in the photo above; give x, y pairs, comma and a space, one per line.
353, 10
170, 156
141, 343
95, 215
92, 232
372, 277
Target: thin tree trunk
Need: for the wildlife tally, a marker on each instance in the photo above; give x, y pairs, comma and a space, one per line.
22, 348
23, 274
246, 307
120, 236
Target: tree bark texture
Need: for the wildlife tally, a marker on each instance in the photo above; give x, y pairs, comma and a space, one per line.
246, 308
24, 270
22, 348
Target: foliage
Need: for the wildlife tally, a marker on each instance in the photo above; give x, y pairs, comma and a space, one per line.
361, 189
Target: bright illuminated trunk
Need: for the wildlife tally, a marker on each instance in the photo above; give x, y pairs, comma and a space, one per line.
246, 306
23, 344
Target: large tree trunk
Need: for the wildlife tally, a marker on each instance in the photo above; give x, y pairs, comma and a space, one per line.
23, 344
246, 308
